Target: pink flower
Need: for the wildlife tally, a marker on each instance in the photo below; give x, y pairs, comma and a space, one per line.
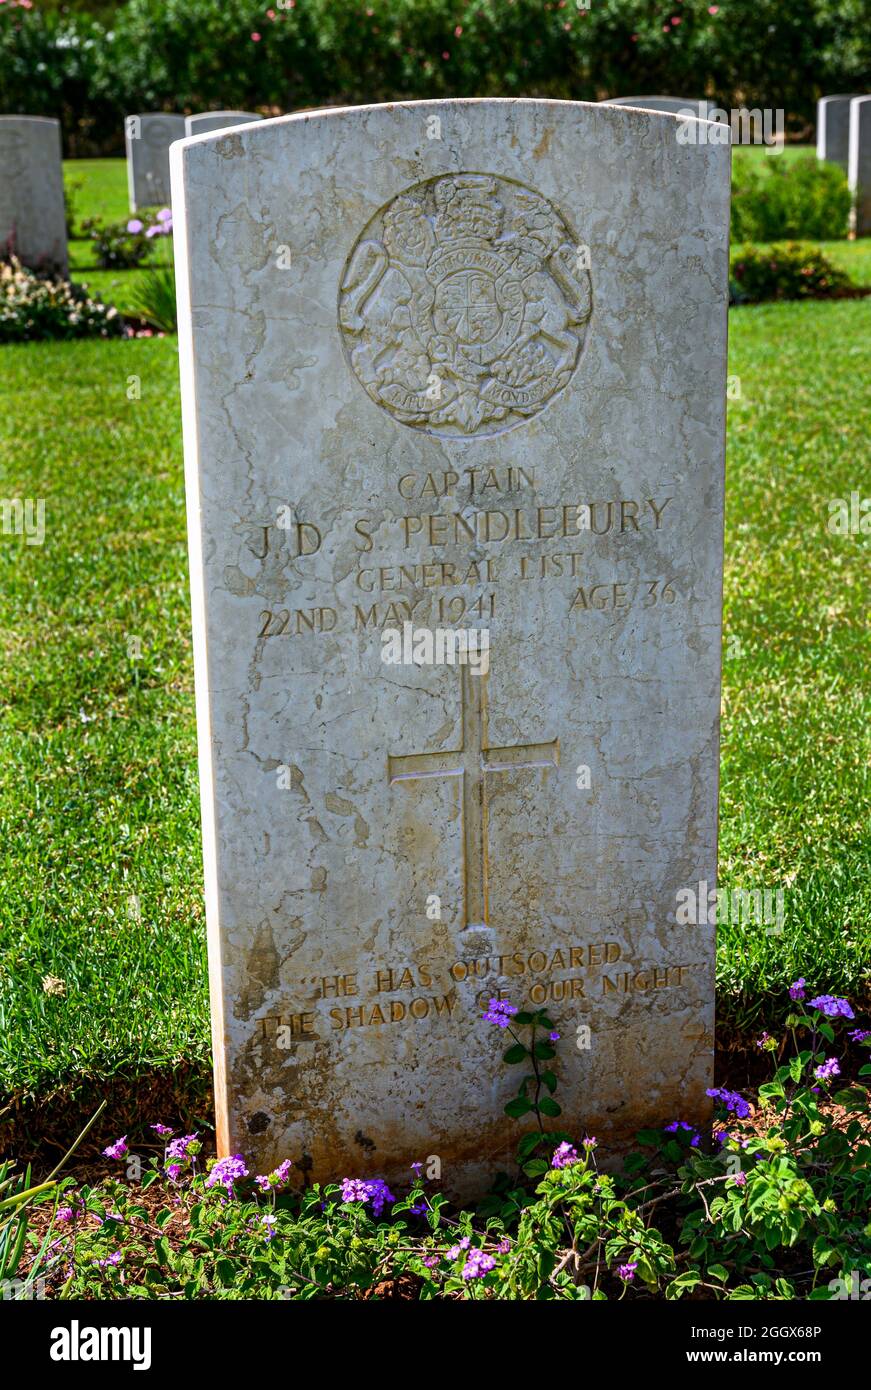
134, 226
270, 14
446, 56
165, 215
458, 31
712, 9
255, 38
118, 1149
675, 19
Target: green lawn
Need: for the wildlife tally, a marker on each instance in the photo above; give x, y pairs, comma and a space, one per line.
100, 874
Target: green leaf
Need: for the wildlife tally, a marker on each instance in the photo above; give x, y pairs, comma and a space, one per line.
523, 1019
528, 1144
517, 1053
545, 1051
718, 1272
517, 1107
549, 1107
549, 1080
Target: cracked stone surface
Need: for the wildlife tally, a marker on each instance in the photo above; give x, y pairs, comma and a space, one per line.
454, 365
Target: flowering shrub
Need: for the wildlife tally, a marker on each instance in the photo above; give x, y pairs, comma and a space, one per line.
31, 307
770, 1206
789, 271
123, 245
147, 55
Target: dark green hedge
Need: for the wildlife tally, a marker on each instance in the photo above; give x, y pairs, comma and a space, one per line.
193, 54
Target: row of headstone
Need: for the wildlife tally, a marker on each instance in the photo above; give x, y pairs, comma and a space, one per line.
469, 403
844, 138
32, 211
148, 138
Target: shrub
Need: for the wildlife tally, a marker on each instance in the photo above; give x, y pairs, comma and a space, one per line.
790, 271
123, 245
32, 308
804, 197
151, 54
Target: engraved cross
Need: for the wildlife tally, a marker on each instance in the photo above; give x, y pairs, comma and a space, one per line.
472, 762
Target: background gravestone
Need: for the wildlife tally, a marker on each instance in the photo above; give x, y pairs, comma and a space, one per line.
148, 139
32, 213
672, 105
217, 120
458, 364
833, 128
859, 165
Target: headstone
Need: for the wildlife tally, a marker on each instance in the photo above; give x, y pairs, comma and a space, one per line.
441, 376
217, 120
148, 139
859, 165
32, 212
833, 128
673, 106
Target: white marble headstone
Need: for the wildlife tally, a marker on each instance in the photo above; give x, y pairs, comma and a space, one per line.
148, 139
859, 165
453, 366
32, 213
672, 105
833, 128
217, 120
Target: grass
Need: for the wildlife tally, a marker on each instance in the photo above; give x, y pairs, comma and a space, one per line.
98, 188
100, 872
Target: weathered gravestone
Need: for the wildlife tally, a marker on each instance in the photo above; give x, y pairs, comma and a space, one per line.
833, 128
217, 120
859, 165
32, 214
453, 366
672, 105
148, 139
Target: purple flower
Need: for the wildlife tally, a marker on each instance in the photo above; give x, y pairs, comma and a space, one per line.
554, 1037
796, 989
500, 1012
430, 1261
734, 1103
165, 215
478, 1264
417, 1168
832, 1006
860, 1034
419, 1209
161, 1130
828, 1070
277, 1178
375, 1191
226, 1172
134, 226
462, 1244
564, 1155
118, 1149
65, 1214
627, 1272
111, 1260
178, 1148
172, 1171
590, 1143
504, 1246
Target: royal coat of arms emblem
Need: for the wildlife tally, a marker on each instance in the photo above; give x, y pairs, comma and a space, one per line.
464, 305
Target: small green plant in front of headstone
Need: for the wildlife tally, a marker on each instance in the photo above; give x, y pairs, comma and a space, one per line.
32, 307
